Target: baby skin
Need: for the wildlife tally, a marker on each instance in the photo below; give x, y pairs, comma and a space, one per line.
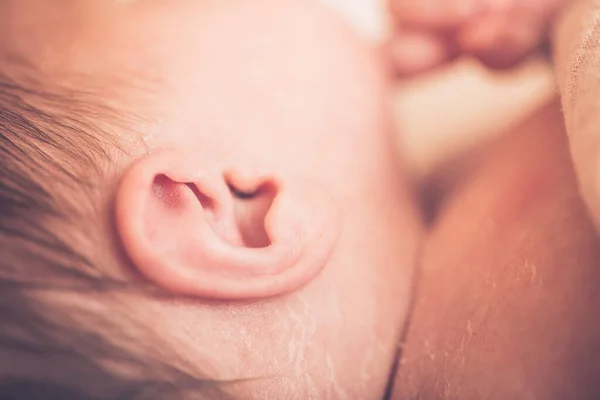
508, 290
203, 201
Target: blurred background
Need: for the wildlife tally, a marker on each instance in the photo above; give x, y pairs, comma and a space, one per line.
441, 114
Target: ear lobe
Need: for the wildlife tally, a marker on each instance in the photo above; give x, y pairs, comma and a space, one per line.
186, 231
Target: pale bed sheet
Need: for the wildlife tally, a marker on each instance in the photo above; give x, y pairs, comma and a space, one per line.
441, 114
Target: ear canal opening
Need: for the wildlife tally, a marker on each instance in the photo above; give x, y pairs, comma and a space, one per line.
240, 194
251, 209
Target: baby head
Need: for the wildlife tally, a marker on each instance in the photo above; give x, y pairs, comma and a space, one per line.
198, 200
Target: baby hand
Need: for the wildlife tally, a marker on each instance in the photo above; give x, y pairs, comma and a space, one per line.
500, 33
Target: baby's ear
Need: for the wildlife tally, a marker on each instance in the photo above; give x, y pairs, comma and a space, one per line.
195, 231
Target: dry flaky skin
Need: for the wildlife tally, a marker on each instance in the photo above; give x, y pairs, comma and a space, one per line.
253, 84
508, 295
500, 33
